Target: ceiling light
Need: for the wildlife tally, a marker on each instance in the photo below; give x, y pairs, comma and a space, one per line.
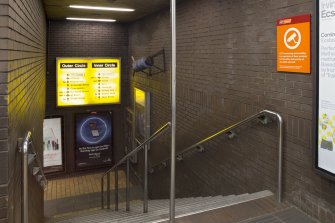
94, 20
101, 8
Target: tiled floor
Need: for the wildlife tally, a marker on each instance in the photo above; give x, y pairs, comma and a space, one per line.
289, 215
80, 185
72, 194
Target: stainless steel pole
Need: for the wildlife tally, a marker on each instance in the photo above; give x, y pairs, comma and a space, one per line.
127, 186
280, 152
173, 108
280, 157
145, 192
25, 180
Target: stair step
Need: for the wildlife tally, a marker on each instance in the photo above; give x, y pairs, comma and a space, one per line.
182, 205
159, 209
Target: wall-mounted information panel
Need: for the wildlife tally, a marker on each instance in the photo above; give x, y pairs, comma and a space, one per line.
88, 81
325, 89
293, 44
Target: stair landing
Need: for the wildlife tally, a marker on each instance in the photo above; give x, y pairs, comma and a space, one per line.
264, 210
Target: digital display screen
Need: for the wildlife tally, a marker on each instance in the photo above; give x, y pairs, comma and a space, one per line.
88, 81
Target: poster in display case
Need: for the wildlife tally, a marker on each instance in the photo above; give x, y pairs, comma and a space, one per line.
324, 125
53, 151
93, 139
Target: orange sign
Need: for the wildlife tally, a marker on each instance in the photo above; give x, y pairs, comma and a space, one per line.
294, 44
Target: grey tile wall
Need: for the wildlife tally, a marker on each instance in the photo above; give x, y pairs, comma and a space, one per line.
22, 99
226, 70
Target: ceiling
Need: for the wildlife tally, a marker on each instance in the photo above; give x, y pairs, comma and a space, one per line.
59, 9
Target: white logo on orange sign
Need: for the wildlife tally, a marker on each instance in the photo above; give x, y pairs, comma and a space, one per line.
292, 38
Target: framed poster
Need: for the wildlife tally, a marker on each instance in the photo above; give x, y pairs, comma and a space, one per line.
53, 150
93, 139
324, 137
141, 126
88, 81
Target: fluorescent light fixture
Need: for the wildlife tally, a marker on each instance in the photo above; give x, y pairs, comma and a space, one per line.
101, 8
93, 20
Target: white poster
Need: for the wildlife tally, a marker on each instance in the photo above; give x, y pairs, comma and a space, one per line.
326, 101
52, 142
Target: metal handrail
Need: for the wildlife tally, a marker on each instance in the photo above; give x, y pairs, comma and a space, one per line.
239, 124
24, 149
38, 161
115, 167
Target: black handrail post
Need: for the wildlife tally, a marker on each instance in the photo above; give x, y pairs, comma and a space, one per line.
102, 193
116, 189
145, 188
127, 186
108, 191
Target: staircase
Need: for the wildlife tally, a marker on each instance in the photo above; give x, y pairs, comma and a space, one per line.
159, 209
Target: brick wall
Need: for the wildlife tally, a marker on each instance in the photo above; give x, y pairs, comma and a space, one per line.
87, 39
226, 70
22, 99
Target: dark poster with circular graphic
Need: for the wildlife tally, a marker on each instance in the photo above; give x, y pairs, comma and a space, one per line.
93, 139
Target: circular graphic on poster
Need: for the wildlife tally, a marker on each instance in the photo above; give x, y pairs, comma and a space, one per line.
93, 130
